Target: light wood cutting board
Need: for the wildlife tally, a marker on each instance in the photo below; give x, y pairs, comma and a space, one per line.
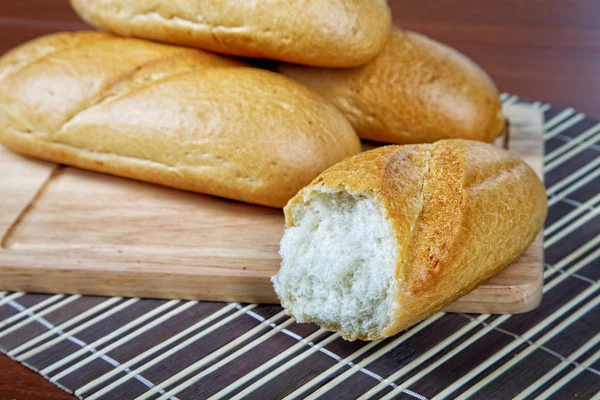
66, 230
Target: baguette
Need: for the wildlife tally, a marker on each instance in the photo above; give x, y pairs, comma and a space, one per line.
342, 33
415, 91
388, 237
173, 116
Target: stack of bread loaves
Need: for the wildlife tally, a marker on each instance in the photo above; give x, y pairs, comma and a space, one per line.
374, 242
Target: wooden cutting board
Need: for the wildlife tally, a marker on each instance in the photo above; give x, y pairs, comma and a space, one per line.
66, 230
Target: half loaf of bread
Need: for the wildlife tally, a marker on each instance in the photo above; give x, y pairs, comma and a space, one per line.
388, 237
415, 91
340, 33
174, 116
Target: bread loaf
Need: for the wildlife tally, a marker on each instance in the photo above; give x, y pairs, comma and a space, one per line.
341, 33
174, 116
388, 237
415, 91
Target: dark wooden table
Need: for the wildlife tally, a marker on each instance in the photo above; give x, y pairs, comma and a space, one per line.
547, 50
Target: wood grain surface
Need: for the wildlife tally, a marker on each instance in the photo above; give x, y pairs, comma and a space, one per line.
19, 383
547, 50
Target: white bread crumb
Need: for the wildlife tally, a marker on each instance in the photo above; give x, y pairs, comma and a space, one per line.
339, 262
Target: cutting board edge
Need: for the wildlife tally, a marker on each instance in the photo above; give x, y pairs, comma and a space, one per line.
500, 299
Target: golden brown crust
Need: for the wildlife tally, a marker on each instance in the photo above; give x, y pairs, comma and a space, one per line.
174, 116
415, 91
320, 32
462, 211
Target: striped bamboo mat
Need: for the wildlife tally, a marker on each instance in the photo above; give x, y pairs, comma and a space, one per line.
121, 348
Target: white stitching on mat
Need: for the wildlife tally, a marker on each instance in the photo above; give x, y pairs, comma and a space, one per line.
475, 372
589, 205
439, 348
574, 275
493, 325
570, 139
247, 389
571, 228
584, 145
340, 359
556, 386
495, 322
558, 118
525, 353
576, 254
11, 296
578, 140
555, 198
192, 333
267, 365
333, 369
149, 321
550, 284
543, 380
205, 360
48, 325
383, 350
293, 335
192, 372
566, 260
41, 304
582, 176
50, 309
32, 347
564, 126
531, 343
576, 203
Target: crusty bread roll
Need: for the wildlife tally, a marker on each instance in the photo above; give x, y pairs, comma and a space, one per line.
415, 91
341, 33
388, 237
168, 115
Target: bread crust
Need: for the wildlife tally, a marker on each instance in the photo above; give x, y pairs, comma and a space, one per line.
319, 32
462, 211
174, 116
415, 91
